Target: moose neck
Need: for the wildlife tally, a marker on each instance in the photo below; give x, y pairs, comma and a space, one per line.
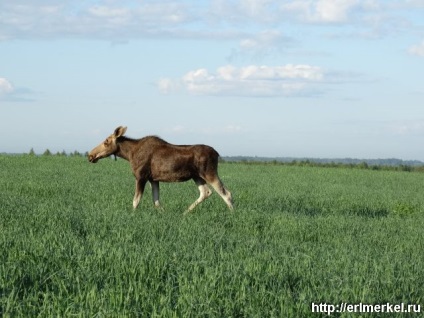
125, 147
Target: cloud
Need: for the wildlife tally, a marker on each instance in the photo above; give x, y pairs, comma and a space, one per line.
265, 42
317, 11
104, 19
8, 92
6, 87
261, 44
417, 49
118, 15
167, 85
327, 11
252, 80
129, 19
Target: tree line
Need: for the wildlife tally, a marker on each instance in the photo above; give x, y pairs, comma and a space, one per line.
63, 153
371, 164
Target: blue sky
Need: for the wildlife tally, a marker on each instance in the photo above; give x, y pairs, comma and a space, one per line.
292, 78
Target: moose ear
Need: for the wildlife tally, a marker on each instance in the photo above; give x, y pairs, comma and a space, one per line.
120, 131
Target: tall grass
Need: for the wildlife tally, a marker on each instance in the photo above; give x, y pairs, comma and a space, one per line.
71, 244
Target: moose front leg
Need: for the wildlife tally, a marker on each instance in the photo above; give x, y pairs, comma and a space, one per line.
139, 189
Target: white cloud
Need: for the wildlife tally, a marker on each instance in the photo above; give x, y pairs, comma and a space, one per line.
334, 11
167, 85
252, 80
128, 19
111, 19
263, 39
325, 11
260, 10
112, 15
5, 87
417, 49
264, 42
11, 93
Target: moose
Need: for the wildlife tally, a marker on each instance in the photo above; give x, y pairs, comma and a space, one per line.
155, 160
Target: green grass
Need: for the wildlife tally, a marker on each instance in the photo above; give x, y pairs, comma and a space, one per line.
72, 246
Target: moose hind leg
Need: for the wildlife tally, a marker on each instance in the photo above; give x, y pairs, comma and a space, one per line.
223, 192
204, 190
155, 193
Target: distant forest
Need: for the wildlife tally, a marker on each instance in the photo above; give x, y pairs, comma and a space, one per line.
346, 161
371, 164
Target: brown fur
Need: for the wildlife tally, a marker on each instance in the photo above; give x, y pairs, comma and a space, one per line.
155, 160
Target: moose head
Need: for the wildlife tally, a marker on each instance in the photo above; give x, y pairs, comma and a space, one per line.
107, 147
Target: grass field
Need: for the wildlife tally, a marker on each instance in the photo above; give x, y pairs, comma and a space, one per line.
72, 246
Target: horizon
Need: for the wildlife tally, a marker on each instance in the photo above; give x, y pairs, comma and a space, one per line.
306, 79
239, 157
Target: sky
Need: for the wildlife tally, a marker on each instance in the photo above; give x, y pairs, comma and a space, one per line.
287, 78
